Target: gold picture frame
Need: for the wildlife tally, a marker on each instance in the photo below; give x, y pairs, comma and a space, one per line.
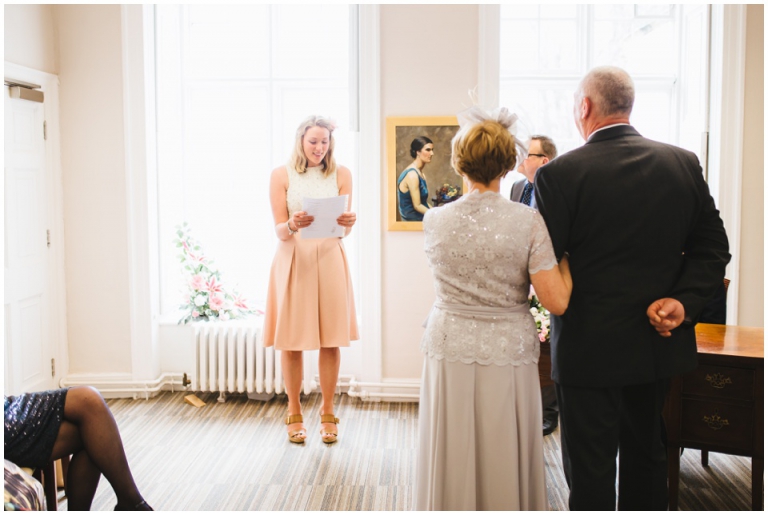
400, 133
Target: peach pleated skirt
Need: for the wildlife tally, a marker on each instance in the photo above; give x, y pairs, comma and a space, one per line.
310, 303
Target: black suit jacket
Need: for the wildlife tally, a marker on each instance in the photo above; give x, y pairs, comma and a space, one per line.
639, 224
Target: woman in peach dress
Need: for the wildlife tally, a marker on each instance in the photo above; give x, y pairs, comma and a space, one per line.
310, 304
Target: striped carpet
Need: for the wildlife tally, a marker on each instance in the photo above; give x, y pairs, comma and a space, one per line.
235, 456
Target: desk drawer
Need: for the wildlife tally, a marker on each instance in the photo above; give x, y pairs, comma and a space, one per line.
717, 423
717, 381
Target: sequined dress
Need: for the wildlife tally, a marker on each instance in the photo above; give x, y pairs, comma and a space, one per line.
480, 438
32, 422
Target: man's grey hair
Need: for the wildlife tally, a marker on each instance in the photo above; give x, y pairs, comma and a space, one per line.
611, 89
547, 146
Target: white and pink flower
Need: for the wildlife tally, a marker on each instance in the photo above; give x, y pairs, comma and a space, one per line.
216, 302
206, 298
197, 282
241, 303
211, 286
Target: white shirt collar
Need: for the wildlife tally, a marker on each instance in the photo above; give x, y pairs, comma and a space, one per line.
606, 127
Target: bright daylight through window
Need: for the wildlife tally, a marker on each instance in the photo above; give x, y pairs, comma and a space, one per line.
546, 49
233, 84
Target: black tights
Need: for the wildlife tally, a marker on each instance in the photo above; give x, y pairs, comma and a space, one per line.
89, 433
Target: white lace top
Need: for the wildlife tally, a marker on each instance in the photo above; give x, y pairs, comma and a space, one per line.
482, 249
312, 184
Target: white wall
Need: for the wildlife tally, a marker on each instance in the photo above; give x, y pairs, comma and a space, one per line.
93, 168
751, 293
428, 64
30, 37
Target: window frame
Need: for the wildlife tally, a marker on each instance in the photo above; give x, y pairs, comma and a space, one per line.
722, 162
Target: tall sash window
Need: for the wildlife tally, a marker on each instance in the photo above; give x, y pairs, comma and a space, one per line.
545, 50
233, 83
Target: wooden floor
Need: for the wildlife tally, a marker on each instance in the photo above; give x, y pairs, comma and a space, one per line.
235, 456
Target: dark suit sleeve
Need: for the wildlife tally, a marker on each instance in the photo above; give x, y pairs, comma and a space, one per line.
514, 195
553, 207
705, 258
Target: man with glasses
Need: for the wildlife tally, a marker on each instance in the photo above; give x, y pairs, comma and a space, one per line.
541, 150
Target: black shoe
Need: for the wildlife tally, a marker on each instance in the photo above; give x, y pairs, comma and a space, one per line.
142, 506
549, 426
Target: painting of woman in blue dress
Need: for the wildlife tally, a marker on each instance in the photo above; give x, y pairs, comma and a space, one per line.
412, 191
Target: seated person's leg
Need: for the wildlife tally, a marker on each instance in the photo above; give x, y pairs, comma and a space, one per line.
89, 433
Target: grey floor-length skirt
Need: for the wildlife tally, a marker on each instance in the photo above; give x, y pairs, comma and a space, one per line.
480, 445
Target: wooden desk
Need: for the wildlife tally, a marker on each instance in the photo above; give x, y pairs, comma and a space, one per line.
719, 406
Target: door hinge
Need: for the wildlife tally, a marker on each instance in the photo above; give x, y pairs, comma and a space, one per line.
53, 367
45, 130
48, 237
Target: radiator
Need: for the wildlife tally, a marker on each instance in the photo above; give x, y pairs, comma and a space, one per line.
230, 358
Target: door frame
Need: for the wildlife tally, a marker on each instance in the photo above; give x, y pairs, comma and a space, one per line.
57, 331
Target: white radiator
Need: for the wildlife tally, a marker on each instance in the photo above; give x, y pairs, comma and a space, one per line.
231, 358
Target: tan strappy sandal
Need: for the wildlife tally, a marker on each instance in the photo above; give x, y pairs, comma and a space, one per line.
296, 436
329, 436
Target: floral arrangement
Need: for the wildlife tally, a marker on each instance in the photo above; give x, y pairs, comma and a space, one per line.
446, 193
206, 298
540, 315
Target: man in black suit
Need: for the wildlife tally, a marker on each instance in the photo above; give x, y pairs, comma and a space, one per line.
647, 250
541, 150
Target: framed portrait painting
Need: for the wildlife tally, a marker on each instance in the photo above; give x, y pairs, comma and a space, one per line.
420, 176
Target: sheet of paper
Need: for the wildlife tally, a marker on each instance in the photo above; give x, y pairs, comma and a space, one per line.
326, 211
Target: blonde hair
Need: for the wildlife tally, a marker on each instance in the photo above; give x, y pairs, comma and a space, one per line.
483, 152
298, 160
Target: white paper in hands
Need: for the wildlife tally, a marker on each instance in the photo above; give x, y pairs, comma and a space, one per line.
326, 211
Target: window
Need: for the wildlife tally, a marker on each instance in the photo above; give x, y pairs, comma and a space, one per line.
233, 83
545, 50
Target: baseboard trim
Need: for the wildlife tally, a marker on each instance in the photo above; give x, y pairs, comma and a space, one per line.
112, 386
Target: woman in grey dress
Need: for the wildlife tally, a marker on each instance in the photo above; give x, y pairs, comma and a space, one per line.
480, 441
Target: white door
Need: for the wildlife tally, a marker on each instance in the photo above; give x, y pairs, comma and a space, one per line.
27, 339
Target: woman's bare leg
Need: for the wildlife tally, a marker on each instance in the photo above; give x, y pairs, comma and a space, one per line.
329, 363
293, 372
89, 427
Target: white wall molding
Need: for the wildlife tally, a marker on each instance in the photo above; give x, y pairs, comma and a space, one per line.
122, 385
141, 185
389, 390
55, 198
727, 73
489, 55
369, 179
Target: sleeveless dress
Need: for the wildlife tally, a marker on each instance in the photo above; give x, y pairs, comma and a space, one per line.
480, 444
310, 303
405, 204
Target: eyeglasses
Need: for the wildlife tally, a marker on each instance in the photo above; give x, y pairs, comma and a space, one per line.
537, 155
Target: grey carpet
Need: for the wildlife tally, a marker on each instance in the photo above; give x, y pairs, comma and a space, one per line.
235, 456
